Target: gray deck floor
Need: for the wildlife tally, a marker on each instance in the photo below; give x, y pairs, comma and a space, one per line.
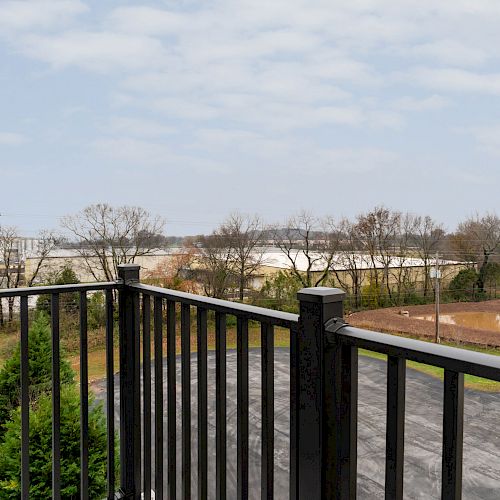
481, 474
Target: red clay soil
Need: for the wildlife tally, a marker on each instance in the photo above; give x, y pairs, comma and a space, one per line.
391, 320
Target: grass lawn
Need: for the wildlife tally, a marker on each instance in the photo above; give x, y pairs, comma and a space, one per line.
97, 359
470, 381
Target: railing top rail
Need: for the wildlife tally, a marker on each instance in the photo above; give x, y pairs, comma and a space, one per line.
278, 318
41, 290
447, 357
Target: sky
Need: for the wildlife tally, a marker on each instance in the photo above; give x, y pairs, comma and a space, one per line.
196, 109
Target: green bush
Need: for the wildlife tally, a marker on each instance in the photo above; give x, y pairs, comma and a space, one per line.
40, 369
67, 301
41, 450
492, 273
96, 310
40, 364
231, 321
410, 296
372, 296
280, 292
462, 286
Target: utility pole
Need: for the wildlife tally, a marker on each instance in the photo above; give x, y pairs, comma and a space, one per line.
437, 276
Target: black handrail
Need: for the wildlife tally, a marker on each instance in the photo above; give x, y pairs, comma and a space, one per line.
323, 392
277, 318
55, 291
442, 356
327, 392
166, 300
44, 290
341, 345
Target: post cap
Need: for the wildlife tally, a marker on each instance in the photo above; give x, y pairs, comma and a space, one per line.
321, 294
128, 272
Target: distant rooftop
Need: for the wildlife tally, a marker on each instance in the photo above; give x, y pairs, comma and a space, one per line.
276, 258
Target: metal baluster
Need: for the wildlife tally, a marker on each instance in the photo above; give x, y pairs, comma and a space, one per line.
146, 388
56, 398
267, 381
346, 397
158, 339
171, 400
293, 412
453, 428
186, 399
395, 428
25, 402
201, 316
220, 407
242, 407
84, 400
110, 396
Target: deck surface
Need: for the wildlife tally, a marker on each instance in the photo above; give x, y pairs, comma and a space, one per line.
481, 472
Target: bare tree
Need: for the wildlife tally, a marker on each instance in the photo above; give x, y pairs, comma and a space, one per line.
401, 268
309, 245
13, 262
481, 236
428, 237
244, 237
46, 241
108, 236
215, 266
349, 260
172, 271
378, 230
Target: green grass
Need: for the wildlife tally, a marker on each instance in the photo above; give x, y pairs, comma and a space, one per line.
97, 356
470, 381
97, 360
282, 339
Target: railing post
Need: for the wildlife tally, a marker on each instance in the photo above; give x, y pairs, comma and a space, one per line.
315, 412
130, 410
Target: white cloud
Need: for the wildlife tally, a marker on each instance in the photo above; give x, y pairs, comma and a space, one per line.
455, 80
137, 127
11, 139
487, 137
452, 52
286, 65
335, 114
146, 20
230, 152
246, 90
185, 109
23, 15
384, 118
288, 156
361, 160
142, 154
95, 51
474, 178
431, 103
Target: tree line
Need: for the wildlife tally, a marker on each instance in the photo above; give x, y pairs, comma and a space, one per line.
219, 264
317, 250
325, 251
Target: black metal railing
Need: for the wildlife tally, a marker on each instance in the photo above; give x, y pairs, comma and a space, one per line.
323, 393
268, 319
330, 398
55, 292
